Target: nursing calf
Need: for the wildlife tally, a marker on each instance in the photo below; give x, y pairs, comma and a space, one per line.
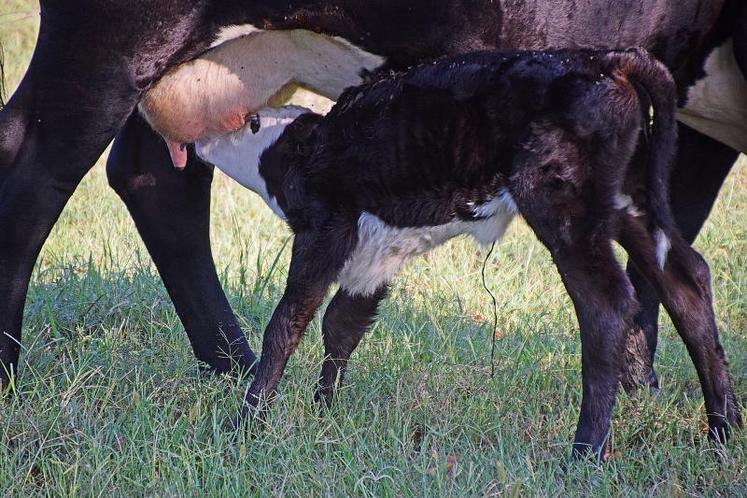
404, 163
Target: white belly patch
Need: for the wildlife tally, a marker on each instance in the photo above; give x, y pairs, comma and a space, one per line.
382, 249
717, 105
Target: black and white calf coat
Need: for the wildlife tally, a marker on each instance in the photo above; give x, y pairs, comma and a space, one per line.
460, 146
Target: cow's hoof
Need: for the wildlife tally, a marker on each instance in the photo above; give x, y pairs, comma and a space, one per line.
653, 384
253, 411
638, 370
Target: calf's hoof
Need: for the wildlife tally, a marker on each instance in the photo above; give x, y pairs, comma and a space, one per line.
324, 397
720, 428
587, 453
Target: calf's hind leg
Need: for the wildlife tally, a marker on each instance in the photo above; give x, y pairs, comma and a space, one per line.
346, 320
604, 302
699, 171
569, 213
684, 287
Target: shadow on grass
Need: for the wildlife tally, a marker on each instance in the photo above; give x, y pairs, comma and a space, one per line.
109, 370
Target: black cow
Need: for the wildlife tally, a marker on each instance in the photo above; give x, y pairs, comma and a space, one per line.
402, 164
94, 59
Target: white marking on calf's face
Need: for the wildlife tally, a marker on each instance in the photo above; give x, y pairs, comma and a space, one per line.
382, 249
238, 154
717, 105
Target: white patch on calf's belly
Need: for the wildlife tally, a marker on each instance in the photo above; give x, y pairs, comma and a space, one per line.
383, 249
717, 104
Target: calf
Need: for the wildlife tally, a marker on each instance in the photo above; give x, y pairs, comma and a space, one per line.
404, 163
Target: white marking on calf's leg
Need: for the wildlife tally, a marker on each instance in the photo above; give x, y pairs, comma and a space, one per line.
501, 202
624, 201
663, 244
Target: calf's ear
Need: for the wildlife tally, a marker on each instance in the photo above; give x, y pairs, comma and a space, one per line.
304, 126
301, 131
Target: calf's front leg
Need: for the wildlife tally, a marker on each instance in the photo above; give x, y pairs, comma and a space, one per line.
316, 261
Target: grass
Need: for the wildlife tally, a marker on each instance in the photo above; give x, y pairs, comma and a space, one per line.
111, 401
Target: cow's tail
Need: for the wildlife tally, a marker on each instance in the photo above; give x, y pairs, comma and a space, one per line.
652, 79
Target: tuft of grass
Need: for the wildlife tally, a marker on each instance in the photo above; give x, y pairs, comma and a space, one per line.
111, 400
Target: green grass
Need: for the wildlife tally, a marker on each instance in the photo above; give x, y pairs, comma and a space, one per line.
111, 401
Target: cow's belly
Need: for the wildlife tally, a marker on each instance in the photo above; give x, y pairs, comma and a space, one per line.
717, 105
382, 249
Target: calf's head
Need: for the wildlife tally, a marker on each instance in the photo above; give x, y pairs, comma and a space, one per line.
238, 154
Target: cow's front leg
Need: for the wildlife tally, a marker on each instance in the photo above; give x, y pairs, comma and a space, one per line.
316, 261
171, 210
346, 320
59, 121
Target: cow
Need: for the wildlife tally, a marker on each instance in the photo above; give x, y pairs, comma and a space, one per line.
403, 163
94, 61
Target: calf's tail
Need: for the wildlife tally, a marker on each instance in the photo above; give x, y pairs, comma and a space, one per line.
652, 78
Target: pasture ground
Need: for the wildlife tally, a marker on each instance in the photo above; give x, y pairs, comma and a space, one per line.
111, 402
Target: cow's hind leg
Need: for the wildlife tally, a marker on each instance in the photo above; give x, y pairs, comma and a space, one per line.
346, 320
684, 287
171, 210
